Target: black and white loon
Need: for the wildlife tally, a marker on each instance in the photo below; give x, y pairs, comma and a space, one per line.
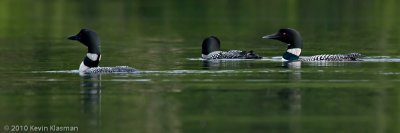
211, 50
90, 63
294, 41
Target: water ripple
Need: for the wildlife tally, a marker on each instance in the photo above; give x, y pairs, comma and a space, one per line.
279, 59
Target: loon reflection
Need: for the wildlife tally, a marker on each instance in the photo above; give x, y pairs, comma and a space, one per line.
292, 95
229, 64
91, 100
292, 64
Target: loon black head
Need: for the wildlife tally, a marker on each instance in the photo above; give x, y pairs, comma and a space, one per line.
90, 39
290, 37
210, 44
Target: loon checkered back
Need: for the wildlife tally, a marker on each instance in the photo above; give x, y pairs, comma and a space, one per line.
334, 57
294, 41
211, 50
117, 69
90, 63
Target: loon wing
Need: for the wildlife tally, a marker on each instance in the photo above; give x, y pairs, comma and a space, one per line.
334, 57
232, 54
117, 69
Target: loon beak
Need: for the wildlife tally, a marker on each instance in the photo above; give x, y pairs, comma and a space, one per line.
75, 37
272, 36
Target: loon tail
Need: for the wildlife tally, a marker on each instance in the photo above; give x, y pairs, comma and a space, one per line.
117, 69
334, 57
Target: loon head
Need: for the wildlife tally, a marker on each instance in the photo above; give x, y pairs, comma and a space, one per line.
290, 37
210, 44
90, 39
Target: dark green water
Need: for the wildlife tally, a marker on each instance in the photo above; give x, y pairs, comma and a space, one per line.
176, 92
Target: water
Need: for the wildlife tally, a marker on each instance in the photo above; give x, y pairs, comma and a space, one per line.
178, 92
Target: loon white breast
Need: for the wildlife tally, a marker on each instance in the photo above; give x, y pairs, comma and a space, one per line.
294, 41
90, 64
211, 50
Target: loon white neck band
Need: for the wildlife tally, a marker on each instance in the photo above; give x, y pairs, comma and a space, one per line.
92, 56
295, 51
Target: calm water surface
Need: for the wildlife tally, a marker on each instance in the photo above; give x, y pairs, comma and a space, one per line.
176, 91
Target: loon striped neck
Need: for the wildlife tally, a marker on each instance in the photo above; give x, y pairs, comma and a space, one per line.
292, 54
90, 60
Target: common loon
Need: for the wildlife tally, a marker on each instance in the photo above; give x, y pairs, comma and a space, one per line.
294, 41
211, 50
90, 64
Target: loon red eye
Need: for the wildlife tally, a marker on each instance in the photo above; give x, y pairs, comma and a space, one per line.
284, 33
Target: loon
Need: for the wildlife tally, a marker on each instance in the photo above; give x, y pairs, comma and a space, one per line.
294, 41
90, 64
211, 50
